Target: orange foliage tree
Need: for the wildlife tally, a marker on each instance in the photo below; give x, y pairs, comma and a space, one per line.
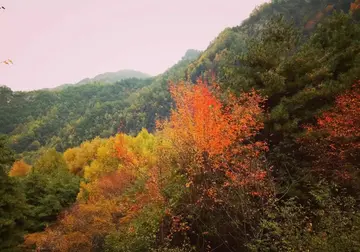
213, 144
355, 5
220, 137
19, 169
83, 227
209, 144
334, 142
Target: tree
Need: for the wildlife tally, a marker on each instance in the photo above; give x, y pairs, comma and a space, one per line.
47, 195
215, 133
79, 157
211, 144
49, 189
333, 143
19, 169
50, 162
84, 226
12, 203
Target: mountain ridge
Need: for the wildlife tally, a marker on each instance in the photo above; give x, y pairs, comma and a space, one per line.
107, 78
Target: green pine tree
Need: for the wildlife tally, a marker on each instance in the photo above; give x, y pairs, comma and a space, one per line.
12, 203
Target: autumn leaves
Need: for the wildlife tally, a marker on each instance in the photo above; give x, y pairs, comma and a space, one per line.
205, 148
204, 164
334, 142
216, 137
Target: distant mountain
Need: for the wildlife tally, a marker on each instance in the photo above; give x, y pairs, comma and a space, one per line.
109, 77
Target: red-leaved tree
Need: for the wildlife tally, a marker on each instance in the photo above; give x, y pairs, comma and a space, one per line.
334, 142
210, 141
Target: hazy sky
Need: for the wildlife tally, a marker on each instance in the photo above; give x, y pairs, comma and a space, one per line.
55, 42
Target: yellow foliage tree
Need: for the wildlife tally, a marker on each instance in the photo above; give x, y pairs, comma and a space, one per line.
79, 157
136, 152
104, 160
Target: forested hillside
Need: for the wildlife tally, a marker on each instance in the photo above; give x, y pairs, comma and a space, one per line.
251, 145
305, 15
60, 118
65, 117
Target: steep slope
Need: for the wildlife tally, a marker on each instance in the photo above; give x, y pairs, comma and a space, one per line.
232, 41
299, 54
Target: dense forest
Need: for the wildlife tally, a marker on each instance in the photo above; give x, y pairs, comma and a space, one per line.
251, 145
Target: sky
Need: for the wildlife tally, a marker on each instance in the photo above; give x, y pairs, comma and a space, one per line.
56, 42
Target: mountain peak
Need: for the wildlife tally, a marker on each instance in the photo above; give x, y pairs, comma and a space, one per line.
191, 54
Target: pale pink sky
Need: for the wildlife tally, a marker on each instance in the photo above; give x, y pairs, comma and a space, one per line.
55, 42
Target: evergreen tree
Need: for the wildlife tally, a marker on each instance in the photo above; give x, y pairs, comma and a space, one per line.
49, 189
12, 203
